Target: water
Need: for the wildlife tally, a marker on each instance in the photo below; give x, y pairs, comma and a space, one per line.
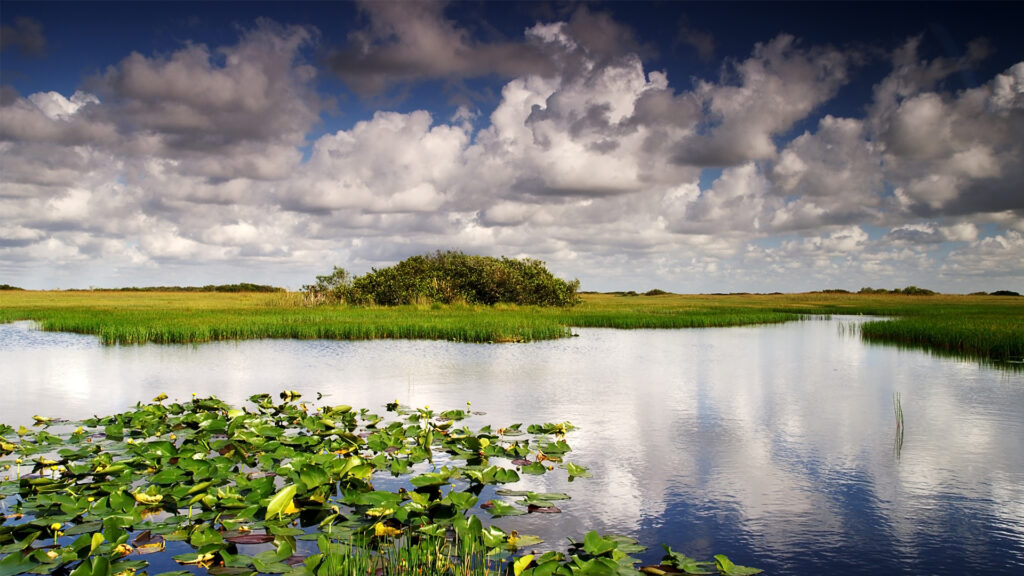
774, 445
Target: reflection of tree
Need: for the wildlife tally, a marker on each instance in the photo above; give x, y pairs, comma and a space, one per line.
897, 407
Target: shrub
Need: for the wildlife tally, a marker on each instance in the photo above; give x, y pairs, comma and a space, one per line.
333, 288
448, 278
915, 291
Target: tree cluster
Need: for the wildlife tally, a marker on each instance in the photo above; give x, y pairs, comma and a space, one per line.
908, 291
447, 278
241, 287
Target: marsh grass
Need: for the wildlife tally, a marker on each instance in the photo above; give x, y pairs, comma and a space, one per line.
417, 553
982, 327
897, 409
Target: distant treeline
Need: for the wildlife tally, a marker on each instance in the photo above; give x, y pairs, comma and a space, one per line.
243, 287
910, 291
653, 292
447, 278
9, 287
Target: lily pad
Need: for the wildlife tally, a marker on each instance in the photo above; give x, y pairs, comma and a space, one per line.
251, 539
497, 508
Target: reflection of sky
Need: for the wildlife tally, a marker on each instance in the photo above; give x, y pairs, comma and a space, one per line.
773, 444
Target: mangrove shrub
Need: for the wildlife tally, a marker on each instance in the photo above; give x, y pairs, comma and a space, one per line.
448, 278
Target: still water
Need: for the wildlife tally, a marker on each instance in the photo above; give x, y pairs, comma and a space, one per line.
775, 445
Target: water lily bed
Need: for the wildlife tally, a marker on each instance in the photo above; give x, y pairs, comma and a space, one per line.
288, 487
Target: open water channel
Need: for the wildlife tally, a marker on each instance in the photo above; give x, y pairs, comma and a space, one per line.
775, 445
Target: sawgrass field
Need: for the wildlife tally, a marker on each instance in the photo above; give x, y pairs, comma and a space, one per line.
977, 326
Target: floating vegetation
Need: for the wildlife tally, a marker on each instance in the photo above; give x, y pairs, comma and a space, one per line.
287, 488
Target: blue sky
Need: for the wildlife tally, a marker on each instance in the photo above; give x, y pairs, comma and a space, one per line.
693, 147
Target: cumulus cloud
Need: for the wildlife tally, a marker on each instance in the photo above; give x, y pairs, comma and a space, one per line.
391, 163
50, 117
760, 97
919, 153
410, 41
998, 256
161, 151
736, 201
832, 176
950, 153
198, 99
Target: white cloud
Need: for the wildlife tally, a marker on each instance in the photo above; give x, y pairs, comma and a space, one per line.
198, 100
950, 153
778, 85
57, 107
391, 163
999, 256
833, 175
736, 201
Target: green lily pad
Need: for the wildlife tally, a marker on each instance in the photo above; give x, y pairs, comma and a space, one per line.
498, 508
726, 567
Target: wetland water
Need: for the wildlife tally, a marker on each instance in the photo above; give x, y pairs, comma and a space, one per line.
774, 445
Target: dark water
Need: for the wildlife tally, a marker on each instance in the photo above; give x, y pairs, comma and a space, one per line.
774, 445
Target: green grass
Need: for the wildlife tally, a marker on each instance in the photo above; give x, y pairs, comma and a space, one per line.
984, 327
129, 318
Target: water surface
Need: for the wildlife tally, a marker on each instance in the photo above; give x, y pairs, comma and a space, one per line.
774, 445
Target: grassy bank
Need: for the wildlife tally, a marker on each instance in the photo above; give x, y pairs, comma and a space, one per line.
987, 327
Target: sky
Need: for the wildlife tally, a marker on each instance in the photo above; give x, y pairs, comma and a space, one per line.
690, 147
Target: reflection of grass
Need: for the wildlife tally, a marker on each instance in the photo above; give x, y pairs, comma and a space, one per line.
988, 327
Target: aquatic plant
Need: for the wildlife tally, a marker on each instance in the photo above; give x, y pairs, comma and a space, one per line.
249, 490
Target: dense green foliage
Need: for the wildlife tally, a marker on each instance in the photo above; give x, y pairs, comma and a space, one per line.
204, 484
448, 278
9, 287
